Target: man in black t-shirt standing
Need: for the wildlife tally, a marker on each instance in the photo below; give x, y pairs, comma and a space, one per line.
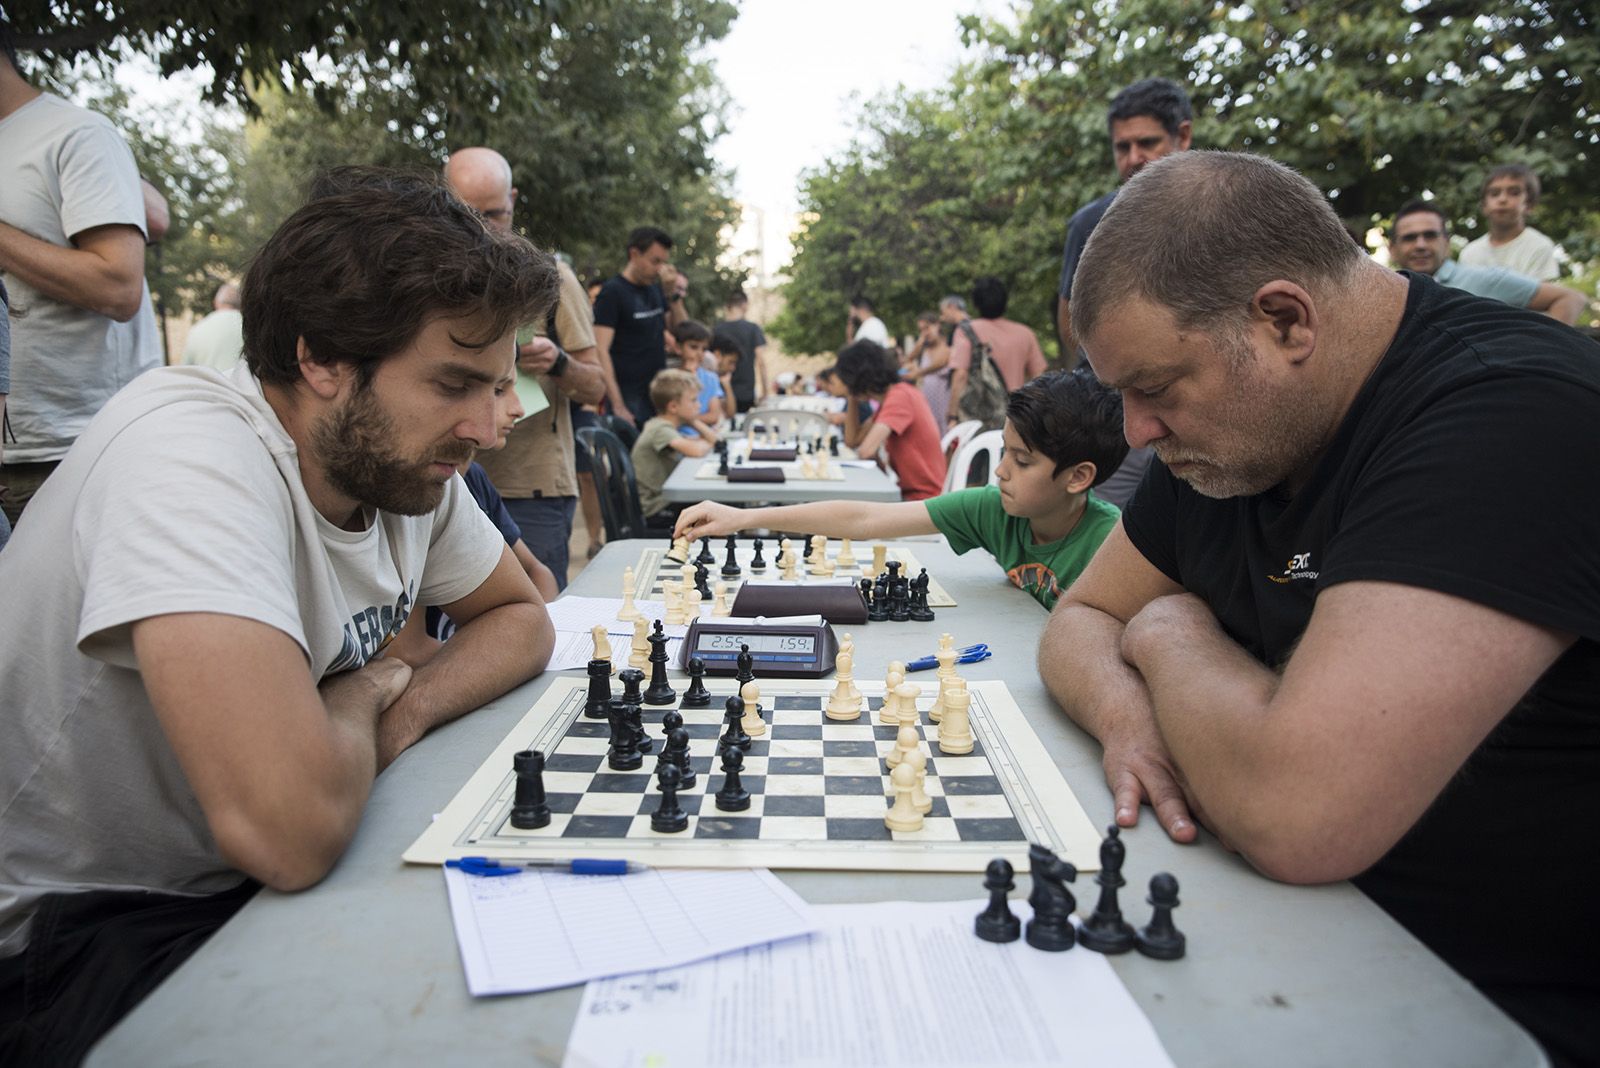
751, 382
1350, 621
631, 317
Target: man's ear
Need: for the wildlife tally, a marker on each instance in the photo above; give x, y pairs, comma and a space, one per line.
1185, 136
1079, 477
326, 380
1288, 316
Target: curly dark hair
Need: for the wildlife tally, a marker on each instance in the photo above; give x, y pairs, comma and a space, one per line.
1070, 417
371, 257
865, 367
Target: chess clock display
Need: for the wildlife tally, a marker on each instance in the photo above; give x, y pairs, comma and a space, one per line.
781, 650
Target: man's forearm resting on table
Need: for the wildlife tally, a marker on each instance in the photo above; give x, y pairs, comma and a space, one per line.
104, 273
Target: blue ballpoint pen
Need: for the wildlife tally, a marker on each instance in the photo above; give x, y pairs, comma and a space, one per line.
970, 655
491, 867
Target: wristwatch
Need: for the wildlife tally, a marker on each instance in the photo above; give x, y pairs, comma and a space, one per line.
559, 367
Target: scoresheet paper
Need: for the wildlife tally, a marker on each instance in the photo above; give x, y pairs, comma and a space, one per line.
574, 616
540, 930
889, 985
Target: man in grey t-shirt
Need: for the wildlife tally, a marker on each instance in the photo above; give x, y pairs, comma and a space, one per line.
72, 235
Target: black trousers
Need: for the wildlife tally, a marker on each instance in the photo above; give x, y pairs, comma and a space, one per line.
91, 958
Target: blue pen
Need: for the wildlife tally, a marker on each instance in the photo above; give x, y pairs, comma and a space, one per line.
970, 655
488, 866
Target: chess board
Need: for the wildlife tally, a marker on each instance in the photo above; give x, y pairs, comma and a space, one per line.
653, 568
791, 471
819, 790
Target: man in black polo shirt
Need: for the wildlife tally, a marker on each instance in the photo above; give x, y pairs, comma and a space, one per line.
1349, 621
631, 317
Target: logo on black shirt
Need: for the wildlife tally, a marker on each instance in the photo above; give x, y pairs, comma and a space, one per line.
1299, 567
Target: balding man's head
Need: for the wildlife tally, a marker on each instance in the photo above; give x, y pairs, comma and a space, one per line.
227, 297
481, 177
1200, 232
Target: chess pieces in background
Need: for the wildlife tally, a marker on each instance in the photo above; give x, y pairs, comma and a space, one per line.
660, 691
904, 815
955, 726
629, 611
880, 557
1105, 931
594, 706
998, 923
730, 566
720, 607
745, 667
877, 600
529, 810
706, 557
847, 554
722, 457
692, 612
733, 797
639, 657
696, 696
602, 645
758, 562
753, 723
919, 792
1159, 939
1050, 928
786, 561
669, 817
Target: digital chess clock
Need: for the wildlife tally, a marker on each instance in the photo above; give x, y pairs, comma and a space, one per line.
779, 649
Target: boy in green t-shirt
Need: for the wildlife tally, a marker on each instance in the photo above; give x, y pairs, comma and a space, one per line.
1063, 435
676, 397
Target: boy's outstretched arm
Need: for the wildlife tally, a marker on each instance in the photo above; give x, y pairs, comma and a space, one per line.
836, 519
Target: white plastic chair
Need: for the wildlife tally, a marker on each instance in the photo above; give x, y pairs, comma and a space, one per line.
989, 443
951, 443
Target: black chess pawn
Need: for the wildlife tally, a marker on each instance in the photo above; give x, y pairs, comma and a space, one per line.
594, 707
998, 923
758, 562
670, 722
733, 734
899, 599
877, 611
833, 446
1105, 931
920, 612
660, 691
746, 667
733, 797
1160, 939
669, 817
706, 556
677, 750
623, 752
702, 582
730, 566
722, 457
631, 679
529, 810
696, 696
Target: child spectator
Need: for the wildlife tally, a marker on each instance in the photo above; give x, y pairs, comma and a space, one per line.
1509, 194
725, 348
1042, 523
675, 396
692, 339
903, 425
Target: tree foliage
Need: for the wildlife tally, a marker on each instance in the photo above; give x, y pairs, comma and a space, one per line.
1375, 101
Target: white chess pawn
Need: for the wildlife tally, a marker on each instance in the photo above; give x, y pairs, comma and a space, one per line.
692, 609
947, 674
845, 701
686, 575
847, 555
602, 645
672, 603
919, 795
679, 550
819, 549
906, 740
720, 606
629, 611
786, 560
847, 644
752, 723
955, 730
904, 815
880, 561
640, 656
890, 710
906, 695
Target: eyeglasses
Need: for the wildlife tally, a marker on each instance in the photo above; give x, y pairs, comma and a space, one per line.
1420, 235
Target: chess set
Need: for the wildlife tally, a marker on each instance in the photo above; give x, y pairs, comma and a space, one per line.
660, 568
803, 460
776, 773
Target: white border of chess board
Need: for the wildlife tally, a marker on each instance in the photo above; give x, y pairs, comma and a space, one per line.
647, 572
1036, 793
791, 471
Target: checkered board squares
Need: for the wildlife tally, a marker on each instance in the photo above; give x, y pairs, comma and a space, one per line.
819, 791
791, 471
654, 567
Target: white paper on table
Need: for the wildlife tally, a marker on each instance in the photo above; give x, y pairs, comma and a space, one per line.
886, 985
574, 649
585, 613
539, 930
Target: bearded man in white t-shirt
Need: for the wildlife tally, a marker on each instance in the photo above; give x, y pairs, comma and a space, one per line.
196, 693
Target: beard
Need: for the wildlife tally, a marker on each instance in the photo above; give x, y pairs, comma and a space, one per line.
1264, 435
353, 445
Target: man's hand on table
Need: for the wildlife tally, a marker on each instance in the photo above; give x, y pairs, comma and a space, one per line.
377, 686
